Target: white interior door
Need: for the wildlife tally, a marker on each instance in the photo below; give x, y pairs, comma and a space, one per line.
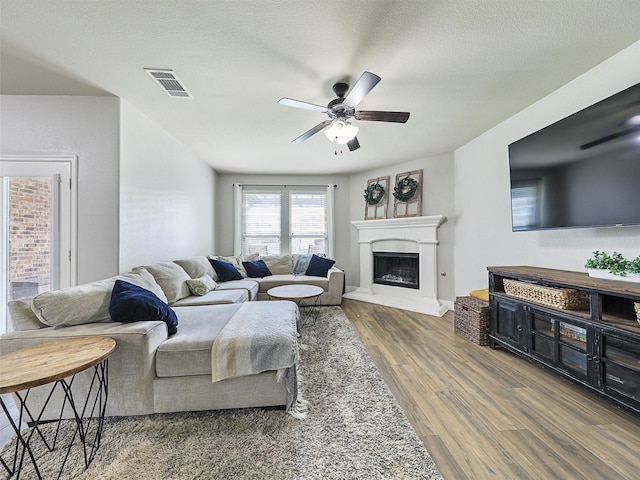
37, 229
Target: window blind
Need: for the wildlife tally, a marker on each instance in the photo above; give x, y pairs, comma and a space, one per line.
261, 222
308, 222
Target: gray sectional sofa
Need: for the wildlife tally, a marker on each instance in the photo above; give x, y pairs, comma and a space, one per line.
151, 371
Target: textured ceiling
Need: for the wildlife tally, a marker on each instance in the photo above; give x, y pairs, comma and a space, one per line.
459, 66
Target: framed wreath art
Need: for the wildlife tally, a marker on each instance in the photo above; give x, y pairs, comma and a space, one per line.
407, 194
373, 194
375, 198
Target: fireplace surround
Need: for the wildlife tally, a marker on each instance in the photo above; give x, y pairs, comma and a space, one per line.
412, 235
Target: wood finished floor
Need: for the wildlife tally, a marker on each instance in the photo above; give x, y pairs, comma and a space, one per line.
489, 414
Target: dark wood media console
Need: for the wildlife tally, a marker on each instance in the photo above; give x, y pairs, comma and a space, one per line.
597, 345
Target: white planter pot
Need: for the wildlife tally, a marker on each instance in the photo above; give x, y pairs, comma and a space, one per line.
606, 274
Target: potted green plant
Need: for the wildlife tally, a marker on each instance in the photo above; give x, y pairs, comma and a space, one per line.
615, 267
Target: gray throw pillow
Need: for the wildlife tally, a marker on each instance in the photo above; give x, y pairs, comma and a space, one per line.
302, 262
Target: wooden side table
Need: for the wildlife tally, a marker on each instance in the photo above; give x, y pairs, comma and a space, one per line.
58, 362
302, 295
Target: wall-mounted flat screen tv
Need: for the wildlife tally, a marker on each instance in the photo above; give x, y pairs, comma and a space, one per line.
582, 171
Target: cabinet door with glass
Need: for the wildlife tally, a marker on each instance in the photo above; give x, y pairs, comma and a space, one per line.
543, 336
575, 341
620, 360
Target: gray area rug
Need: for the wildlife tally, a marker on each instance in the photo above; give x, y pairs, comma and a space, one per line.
355, 429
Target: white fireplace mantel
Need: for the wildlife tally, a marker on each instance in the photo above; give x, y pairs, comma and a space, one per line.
408, 235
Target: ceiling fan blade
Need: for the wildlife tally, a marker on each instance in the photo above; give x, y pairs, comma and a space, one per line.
353, 144
313, 131
290, 102
364, 85
380, 116
608, 138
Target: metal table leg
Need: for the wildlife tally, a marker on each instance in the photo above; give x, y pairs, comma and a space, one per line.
89, 422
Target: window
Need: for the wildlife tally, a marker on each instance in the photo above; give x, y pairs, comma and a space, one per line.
261, 226
282, 220
524, 202
308, 222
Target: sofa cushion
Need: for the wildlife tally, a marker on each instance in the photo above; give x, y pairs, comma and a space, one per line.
172, 279
144, 279
196, 267
216, 297
202, 285
279, 264
87, 303
189, 351
130, 303
322, 282
21, 316
275, 281
318, 266
226, 270
250, 286
301, 263
256, 269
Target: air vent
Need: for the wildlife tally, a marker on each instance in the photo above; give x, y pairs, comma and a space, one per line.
169, 82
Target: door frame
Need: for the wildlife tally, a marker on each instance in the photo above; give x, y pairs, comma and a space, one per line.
72, 161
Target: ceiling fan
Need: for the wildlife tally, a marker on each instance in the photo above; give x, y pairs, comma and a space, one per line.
338, 128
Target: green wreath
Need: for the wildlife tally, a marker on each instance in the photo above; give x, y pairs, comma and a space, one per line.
405, 189
373, 194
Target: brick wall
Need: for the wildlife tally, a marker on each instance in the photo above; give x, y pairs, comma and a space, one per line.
29, 229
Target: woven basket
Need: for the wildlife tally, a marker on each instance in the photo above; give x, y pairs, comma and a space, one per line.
471, 319
636, 305
562, 298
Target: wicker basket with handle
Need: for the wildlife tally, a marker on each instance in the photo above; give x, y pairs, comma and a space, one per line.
471, 319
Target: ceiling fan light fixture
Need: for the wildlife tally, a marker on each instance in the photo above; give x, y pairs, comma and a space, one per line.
635, 120
341, 132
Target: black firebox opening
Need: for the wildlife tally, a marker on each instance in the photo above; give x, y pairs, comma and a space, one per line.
397, 269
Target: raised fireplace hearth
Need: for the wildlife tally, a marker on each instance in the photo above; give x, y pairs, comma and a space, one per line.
412, 239
396, 269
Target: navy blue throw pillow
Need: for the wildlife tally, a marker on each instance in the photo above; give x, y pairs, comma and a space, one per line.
226, 271
131, 303
318, 266
257, 269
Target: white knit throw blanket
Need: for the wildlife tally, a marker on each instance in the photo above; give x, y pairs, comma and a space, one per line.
261, 336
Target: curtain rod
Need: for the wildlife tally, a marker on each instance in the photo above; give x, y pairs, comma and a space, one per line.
285, 186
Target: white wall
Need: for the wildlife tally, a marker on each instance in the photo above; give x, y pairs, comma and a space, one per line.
483, 233
167, 195
224, 210
82, 126
437, 199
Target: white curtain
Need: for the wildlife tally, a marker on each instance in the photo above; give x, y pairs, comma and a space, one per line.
330, 220
237, 218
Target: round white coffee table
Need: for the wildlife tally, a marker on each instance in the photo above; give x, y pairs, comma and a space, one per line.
303, 295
